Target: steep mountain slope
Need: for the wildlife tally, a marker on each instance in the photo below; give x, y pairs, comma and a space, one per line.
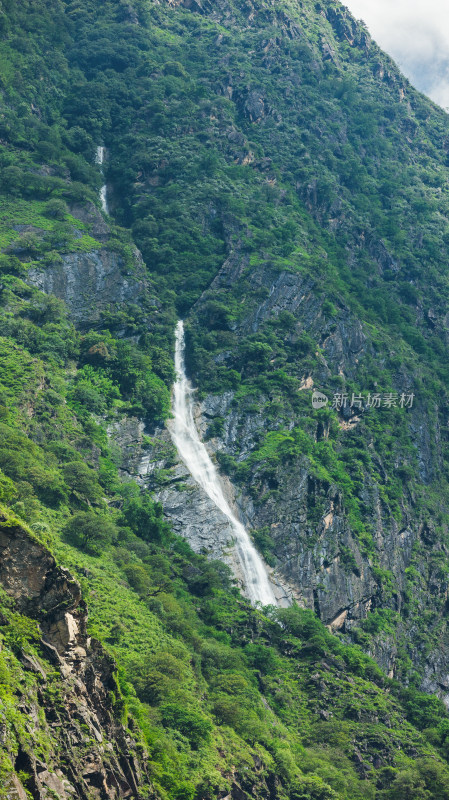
287, 191
334, 216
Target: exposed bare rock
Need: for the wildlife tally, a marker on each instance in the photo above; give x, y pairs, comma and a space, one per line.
254, 106
91, 754
91, 283
90, 215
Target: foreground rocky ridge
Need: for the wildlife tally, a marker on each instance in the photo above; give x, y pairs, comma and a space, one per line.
65, 737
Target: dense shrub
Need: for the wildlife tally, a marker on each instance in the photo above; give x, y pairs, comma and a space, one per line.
89, 532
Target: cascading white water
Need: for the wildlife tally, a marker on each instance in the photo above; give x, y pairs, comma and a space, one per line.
104, 200
99, 159
196, 458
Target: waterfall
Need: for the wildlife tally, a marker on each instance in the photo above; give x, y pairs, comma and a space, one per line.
104, 200
257, 584
99, 159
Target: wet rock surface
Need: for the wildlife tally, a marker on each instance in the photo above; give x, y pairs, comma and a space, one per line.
186, 505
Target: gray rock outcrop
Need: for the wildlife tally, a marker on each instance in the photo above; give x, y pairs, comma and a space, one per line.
90, 283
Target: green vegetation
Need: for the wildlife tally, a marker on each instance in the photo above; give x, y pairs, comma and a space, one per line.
271, 150
205, 675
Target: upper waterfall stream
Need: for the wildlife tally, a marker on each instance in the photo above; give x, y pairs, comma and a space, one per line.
184, 433
101, 152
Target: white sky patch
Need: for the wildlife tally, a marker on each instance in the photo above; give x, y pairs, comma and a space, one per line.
416, 34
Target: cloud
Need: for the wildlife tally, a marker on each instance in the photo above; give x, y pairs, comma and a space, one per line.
416, 34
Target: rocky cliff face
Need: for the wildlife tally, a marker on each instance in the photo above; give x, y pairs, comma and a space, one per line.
320, 564
315, 545
318, 556
92, 283
193, 515
96, 283
66, 694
